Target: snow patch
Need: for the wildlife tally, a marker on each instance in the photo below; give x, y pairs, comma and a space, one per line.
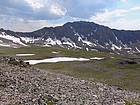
30, 39
4, 45
101, 46
87, 42
53, 52
115, 46
12, 38
54, 60
66, 39
91, 33
79, 39
115, 36
137, 49
20, 55
51, 41
95, 30
127, 48
69, 42
46, 45
107, 44
96, 58
87, 49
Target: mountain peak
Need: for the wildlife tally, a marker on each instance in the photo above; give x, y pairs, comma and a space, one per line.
79, 22
80, 35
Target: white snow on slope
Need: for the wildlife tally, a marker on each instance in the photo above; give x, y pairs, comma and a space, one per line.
127, 48
51, 41
30, 39
85, 41
68, 41
58, 42
106, 44
53, 60
137, 49
54, 52
4, 45
87, 49
96, 58
65, 41
12, 38
79, 38
115, 36
88, 43
95, 30
24, 55
61, 59
115, 46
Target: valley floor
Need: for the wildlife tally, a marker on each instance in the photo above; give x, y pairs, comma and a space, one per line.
32, 86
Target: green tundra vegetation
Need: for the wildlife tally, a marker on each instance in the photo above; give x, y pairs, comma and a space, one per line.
108, 70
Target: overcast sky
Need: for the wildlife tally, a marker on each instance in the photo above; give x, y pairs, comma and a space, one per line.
29, 15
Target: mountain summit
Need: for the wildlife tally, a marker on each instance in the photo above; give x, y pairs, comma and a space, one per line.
77, 35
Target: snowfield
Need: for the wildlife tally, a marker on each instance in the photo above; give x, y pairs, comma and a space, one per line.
54, 60
24, 55
96, 58
12, 38
60, 59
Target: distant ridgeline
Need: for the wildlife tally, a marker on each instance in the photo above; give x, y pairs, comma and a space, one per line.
77, 35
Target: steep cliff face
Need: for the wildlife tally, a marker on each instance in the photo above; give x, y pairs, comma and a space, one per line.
79, 35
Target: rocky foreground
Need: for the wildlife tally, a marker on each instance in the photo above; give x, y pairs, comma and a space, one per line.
21, 84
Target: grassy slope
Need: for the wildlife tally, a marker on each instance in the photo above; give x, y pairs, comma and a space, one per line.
108, 70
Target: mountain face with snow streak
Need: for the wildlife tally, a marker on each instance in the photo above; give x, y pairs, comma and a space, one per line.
77, 35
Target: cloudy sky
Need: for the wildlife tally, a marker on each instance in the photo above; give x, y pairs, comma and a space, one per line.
29, 15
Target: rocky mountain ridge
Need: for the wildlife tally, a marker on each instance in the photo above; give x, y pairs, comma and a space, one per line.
77, 35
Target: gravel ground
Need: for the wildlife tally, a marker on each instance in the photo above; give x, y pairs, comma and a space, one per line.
32, 86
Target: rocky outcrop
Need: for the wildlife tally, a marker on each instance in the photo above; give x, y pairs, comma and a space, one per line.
31, 86
129, 61
13, 61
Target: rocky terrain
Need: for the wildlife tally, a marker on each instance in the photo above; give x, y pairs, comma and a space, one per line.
21, 84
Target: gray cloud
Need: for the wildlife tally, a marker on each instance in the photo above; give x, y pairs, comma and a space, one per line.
53, 9
23, 25
29, 15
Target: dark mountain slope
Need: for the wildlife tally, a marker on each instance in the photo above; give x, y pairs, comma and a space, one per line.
83, 35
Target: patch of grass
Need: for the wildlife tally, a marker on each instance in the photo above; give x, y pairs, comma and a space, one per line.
132, 103
128, 66
17, 103
46, 52
128, 103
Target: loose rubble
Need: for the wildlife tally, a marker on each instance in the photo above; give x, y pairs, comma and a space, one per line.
25, 85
